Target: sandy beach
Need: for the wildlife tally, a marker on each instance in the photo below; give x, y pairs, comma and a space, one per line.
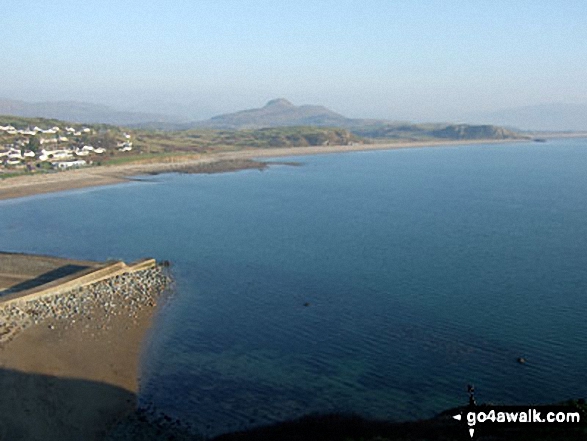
27, 185
74, 370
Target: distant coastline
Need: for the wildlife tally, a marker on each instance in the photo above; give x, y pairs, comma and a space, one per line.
32, 184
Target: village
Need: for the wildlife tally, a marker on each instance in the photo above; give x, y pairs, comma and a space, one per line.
53, 148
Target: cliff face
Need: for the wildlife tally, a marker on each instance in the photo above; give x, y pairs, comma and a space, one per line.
465, 131
435, 131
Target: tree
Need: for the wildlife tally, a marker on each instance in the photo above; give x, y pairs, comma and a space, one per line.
34, 144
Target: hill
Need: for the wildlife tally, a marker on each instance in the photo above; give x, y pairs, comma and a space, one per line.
78, 112
465, 131
276, 113
429, 132
282, 113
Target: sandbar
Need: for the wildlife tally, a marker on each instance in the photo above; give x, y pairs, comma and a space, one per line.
39, 183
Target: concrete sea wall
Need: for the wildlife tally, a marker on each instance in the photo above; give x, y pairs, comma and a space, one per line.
115, 288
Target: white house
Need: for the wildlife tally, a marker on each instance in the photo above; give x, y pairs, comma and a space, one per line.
14, 153
64, 165
62, 154
29, 154
126, 146
55, 154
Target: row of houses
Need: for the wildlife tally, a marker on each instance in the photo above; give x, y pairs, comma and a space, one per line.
13, 156
45, 154
11, 130
59, 165
13, 153
18, 153
64, 165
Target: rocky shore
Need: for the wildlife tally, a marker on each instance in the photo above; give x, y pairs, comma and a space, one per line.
70, 363
122, 295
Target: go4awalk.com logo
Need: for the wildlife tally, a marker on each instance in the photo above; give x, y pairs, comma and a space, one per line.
489, 417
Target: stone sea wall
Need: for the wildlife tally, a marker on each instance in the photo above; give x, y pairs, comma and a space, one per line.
122, 294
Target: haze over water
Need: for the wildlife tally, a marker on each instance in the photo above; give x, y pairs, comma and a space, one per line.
376, 282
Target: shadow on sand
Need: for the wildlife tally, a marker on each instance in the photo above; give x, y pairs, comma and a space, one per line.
41, 407
47, 408
49, 276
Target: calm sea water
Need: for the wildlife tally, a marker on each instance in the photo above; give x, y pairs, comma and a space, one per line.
424, 270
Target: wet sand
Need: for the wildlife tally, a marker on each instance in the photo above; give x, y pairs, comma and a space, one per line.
27, 185
75, 376
69, 383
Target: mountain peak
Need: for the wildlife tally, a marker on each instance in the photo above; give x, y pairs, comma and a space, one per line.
281, 102
277, 113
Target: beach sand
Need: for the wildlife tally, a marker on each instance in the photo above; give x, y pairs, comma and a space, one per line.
27, 185
70, 383
73, 378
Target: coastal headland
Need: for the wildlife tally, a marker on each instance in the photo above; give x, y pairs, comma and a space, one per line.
71, 334
214, 162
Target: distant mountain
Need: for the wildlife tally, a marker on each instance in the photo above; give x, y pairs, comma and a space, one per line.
80, 112
280, 113
277, 113
542, 117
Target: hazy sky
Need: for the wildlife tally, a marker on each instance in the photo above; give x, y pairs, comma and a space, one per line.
417, 60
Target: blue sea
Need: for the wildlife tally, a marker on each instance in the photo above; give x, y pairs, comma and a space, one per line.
380, 283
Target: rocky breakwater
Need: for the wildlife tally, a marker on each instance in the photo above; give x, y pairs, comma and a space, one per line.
94, 305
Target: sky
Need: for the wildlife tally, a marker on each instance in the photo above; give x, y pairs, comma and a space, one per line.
404, 60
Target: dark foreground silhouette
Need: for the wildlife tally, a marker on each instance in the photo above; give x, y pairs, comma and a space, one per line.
355, 428
40, 407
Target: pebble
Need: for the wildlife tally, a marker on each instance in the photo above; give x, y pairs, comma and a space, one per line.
131, 292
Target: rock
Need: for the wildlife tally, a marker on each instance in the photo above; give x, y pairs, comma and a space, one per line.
130, 292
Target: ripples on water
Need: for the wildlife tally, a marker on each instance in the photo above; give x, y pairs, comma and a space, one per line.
423, 270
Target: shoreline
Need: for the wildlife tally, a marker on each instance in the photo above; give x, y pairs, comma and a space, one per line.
72, 368
29, 185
